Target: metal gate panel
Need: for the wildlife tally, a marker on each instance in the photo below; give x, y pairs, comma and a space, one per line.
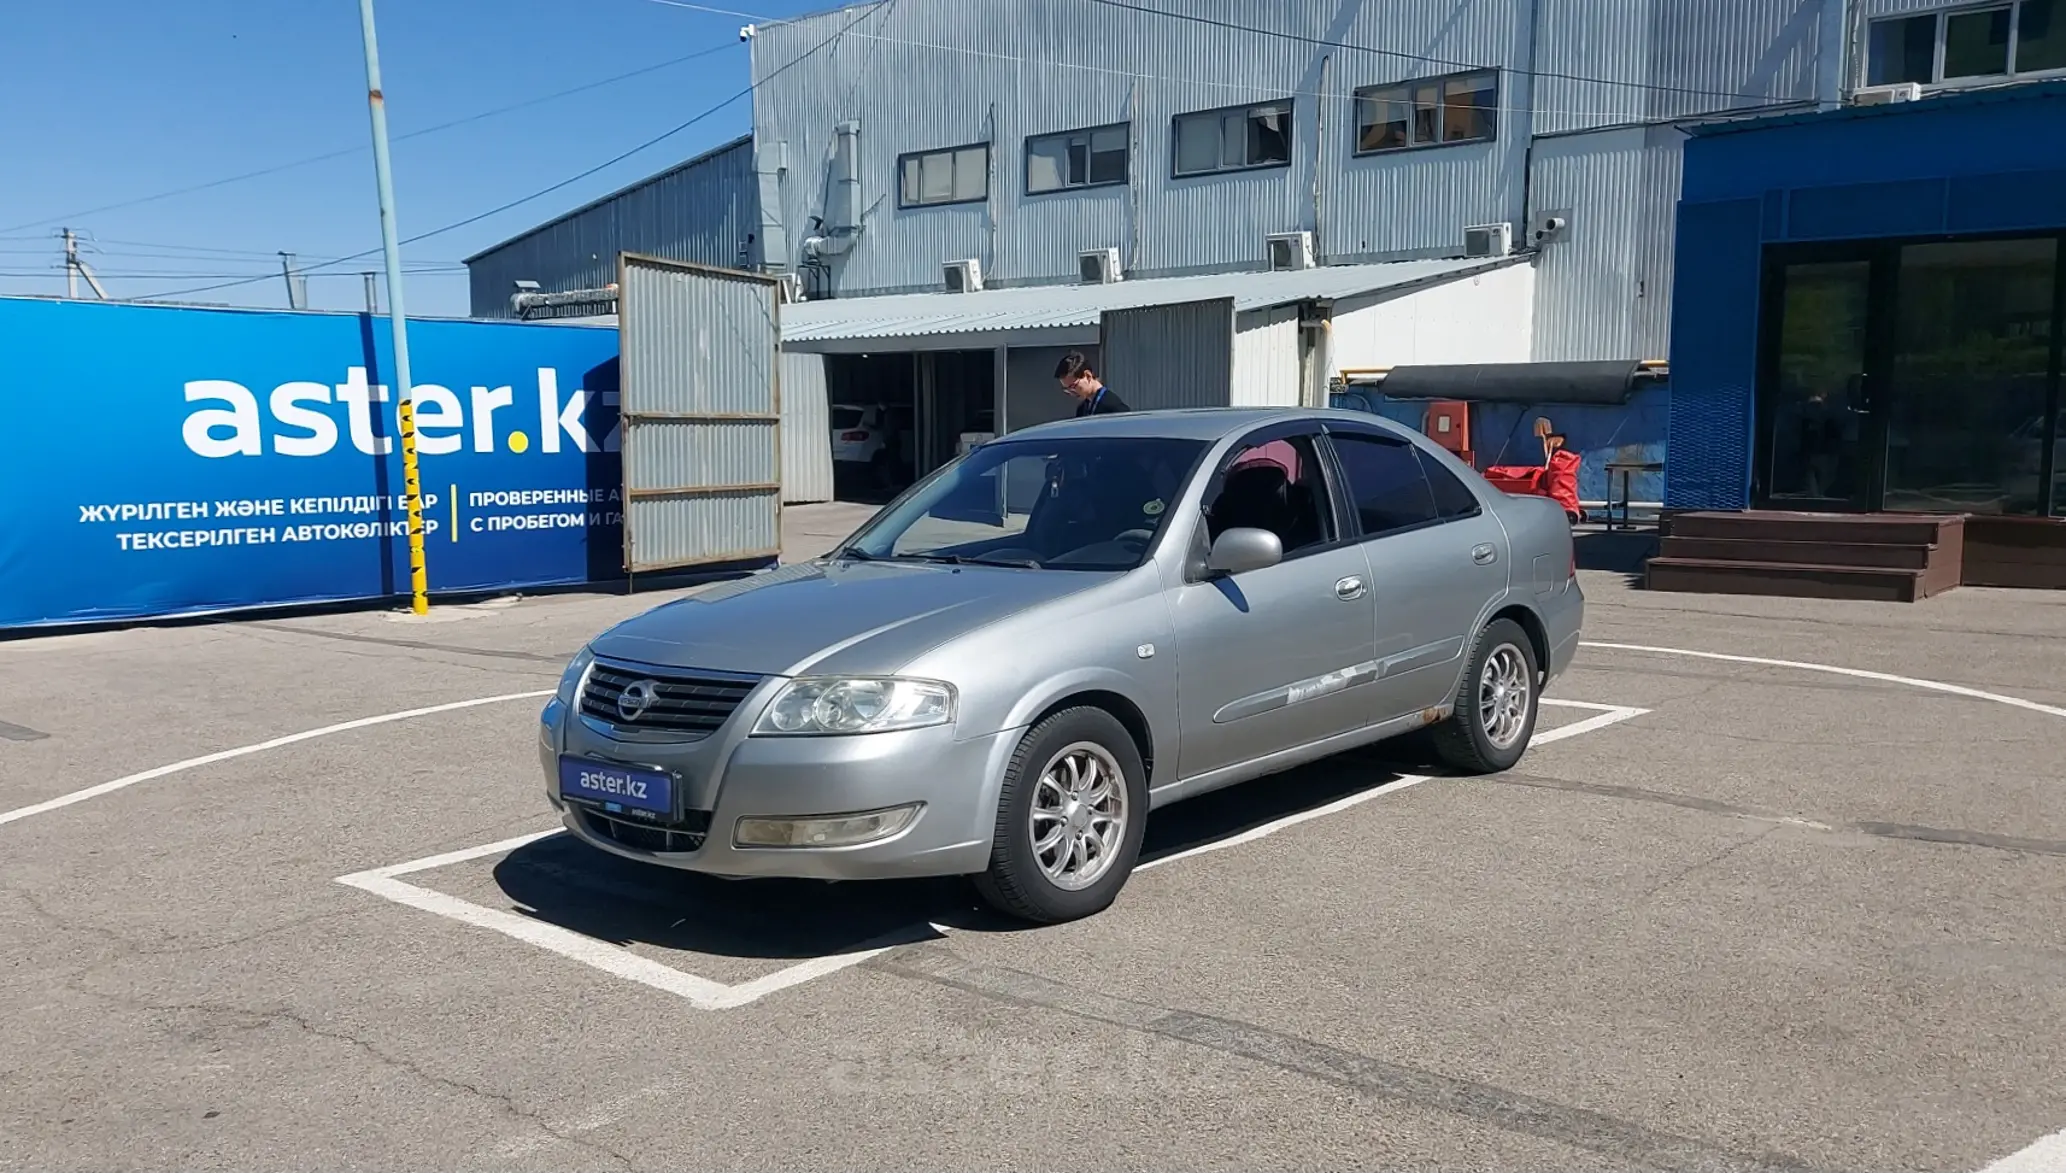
806, 430
1165, 356
700, 399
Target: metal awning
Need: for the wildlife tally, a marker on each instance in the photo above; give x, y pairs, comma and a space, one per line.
1022, 315
1606, 383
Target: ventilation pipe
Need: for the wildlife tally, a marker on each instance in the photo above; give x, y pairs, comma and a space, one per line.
770, 162
842, 222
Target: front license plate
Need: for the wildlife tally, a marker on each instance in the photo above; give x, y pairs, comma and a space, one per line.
617, 787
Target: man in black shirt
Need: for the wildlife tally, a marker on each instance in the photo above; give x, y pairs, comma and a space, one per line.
1082, 384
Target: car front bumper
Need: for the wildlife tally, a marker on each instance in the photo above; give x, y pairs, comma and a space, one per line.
728, 777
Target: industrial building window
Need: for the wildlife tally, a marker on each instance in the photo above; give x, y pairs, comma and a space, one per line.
1076, 158
1233, 139
1457, 108
2005, 40
956, 175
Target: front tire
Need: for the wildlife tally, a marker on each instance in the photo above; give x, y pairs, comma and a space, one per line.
1069, 820
1496, 703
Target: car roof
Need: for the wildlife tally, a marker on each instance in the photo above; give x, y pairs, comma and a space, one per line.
1193, 423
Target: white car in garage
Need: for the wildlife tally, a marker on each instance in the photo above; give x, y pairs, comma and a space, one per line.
871, 436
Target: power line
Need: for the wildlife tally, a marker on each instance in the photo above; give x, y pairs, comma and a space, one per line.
1233, 26
160, 275
651, 142
342, 153
146, 248
1252, 88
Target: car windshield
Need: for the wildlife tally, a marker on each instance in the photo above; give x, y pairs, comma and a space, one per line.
1064, 504
846, 417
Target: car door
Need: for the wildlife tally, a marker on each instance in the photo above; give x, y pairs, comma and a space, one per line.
1435, 557
1279, 657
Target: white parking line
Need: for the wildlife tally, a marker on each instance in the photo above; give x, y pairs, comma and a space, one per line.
1836, 670
705, 994
2045, 1156
128, 780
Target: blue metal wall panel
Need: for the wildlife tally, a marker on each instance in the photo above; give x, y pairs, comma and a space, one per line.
2011, 131
1635, 431
1970, 163
1714, 355
2017, 199
1503, 433
1904, 207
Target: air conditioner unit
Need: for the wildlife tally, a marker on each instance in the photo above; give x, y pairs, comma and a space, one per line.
1488, 240
1098, 266
963, 276
1290, 250
1906, 91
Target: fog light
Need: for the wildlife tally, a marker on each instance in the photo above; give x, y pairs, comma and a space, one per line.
832, 831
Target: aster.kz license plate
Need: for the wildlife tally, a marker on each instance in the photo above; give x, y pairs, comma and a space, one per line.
617, 788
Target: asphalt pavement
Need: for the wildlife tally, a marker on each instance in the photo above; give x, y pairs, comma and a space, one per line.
1738, 910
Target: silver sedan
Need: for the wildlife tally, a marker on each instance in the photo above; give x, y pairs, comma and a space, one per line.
1007, 668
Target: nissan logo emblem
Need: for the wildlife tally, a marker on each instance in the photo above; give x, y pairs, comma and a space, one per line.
637, 697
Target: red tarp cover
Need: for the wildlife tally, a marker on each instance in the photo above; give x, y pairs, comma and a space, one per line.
1559, 481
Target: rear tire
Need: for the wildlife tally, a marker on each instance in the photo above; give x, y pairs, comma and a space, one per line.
1069, 820
1496, 703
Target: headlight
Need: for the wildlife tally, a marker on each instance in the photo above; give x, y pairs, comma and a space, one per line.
851, 704
571, 679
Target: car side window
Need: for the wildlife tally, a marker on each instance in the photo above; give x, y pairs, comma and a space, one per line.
1453, 499
1275, 486
1385, 483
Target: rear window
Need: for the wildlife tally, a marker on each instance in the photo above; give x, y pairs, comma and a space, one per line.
846, 417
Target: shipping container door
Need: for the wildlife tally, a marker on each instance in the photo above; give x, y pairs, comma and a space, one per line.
701, 400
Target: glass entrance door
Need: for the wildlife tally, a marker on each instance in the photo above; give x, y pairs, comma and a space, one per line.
1817, 433
1970, 372
1918, 376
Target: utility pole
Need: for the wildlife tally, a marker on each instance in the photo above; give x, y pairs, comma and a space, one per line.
76, 268
405, 409
372, 294
297, 295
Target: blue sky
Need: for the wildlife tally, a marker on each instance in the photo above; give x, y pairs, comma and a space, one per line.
116, 100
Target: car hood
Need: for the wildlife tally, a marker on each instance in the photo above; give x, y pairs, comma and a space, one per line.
842, 616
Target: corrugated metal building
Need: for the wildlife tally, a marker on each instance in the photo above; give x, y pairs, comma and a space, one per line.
1542, 108
706, 210
903, 148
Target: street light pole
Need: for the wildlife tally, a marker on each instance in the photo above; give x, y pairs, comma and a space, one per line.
405, 408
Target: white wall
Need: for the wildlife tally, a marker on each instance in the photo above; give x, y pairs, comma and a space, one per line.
1266, 359
1489, 317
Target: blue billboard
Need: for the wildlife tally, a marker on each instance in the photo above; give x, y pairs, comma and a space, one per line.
170, 460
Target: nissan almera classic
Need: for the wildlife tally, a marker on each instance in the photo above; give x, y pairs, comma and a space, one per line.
1005, 670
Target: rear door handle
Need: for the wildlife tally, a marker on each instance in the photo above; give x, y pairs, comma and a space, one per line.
1483, 555
1349, 589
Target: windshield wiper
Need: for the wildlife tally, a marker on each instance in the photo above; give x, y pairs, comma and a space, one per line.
967, 560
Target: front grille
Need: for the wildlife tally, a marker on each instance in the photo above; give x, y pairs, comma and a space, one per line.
687, 704
687, 835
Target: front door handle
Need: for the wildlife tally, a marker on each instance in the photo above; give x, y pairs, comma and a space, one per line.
1349, 589
1483, 555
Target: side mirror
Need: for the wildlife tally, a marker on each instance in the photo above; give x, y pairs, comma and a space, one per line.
1239, 551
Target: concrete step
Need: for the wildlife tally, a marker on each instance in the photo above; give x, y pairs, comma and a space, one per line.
1865, 555
1720, 577
1874, 529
